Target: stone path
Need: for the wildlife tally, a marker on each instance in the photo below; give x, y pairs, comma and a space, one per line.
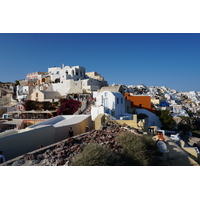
193, 140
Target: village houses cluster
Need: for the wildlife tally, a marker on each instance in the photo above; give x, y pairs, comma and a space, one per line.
118, 101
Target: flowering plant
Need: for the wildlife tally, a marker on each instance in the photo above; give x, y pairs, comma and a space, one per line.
68, 106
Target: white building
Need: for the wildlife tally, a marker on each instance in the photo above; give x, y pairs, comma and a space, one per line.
167, 96
179, 111
153, 119
65, 78
23, 91
112, 103
66, 72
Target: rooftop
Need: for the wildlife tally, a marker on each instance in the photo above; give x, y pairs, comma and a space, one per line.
61, 120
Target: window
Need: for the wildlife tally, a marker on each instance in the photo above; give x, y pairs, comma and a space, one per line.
121, 100
117, 100
106, 102
36, 94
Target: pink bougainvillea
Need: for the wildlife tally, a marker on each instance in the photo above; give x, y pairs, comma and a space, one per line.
68, 106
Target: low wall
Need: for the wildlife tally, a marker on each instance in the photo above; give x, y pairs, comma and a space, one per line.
19, 143
131, 123
99, 120
62, 133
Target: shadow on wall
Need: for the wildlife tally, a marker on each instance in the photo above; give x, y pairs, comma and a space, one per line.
19, 143
30, 139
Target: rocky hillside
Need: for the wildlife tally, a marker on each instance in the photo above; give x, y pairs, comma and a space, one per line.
62, 153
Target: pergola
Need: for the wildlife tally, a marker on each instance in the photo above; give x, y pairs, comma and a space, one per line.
31, 114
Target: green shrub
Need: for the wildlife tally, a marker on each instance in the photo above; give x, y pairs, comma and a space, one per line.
96, 155
167, 120
37, 105
138, 150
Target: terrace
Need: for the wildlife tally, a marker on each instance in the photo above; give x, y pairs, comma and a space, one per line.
22, 119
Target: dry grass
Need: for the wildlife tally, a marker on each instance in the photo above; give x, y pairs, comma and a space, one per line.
96, 155
141, 151
137, 151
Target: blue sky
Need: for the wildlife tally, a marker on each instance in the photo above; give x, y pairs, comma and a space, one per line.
153, 59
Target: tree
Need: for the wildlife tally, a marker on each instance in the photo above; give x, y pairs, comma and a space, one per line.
16, 82
47, 105
168, 123
189, 124
37, 105
30, 105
